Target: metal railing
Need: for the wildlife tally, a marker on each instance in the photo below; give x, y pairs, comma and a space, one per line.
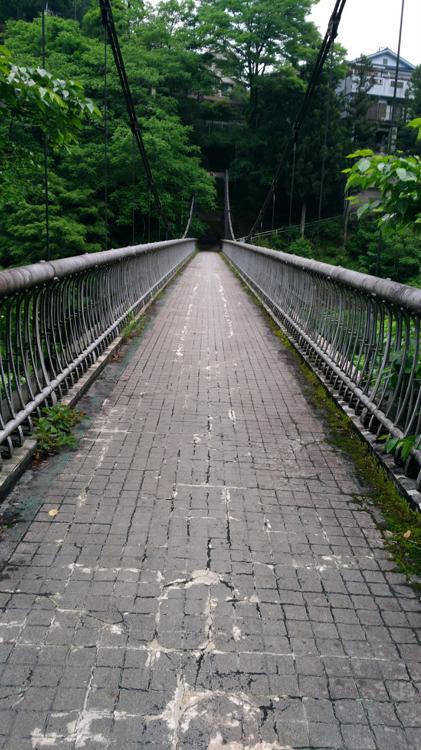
295, 228
362, 333
56, 318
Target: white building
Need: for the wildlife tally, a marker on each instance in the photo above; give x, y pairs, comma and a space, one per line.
383, 73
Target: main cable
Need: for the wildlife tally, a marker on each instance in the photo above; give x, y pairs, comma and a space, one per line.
106, 223
108, 21
329, 38
325, 136
45, 139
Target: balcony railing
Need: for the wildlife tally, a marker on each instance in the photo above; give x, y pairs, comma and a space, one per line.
360, 332
56, 318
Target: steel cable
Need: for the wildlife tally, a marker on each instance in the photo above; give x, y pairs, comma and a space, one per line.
329, 38
108, 21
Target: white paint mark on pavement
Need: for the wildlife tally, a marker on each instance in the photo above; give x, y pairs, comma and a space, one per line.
217, 743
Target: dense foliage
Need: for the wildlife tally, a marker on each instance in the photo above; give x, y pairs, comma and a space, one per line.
81, 177
395, 178
396, 254
217, 85
56, 106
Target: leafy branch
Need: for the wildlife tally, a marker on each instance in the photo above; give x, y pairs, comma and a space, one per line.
401, 447
397, 178
57, 106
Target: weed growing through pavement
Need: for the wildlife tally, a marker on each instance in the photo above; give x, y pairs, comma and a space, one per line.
53, 429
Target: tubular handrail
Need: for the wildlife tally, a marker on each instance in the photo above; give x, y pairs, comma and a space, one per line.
390, 291
361, 332
24, 277
56, 318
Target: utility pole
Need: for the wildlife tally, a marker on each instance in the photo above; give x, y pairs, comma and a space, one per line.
393, 132
46, 199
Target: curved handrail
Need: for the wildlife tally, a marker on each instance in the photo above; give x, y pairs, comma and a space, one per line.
390, 291
24, 277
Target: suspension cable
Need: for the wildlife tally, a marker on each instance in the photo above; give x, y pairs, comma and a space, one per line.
393, 131
329, 38
229, 231
190, 217
286, 229
133, 191
106, 137
108, 21
46, 186
273, 209
291, 192
326, 135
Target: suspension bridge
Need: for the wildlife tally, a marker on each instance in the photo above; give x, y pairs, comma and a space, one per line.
204, 571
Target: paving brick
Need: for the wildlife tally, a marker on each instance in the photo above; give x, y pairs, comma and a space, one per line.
358, 737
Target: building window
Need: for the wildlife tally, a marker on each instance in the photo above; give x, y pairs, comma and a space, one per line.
382, 111
385, 61
399, 84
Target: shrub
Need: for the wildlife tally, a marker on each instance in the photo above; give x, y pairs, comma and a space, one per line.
301, 247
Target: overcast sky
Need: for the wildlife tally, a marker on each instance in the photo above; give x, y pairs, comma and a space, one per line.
368, 25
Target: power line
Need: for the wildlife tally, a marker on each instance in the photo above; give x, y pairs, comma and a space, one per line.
108, 21
329, 38
325, 137
393, 132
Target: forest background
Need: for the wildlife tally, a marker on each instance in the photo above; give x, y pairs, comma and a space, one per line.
217, 85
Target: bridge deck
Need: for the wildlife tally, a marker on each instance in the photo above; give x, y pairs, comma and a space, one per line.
209, 581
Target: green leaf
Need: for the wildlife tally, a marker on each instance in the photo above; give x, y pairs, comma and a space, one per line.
361, 152
404, 175
363, 165
391, 444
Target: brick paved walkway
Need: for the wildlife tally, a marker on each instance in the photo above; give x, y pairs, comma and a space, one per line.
208, 582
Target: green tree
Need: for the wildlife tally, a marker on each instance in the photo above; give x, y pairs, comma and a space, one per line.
257, 148
395, 255
249, 39
77, 178
27, 10
414, 102
54, 105
407, 139
389, 242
